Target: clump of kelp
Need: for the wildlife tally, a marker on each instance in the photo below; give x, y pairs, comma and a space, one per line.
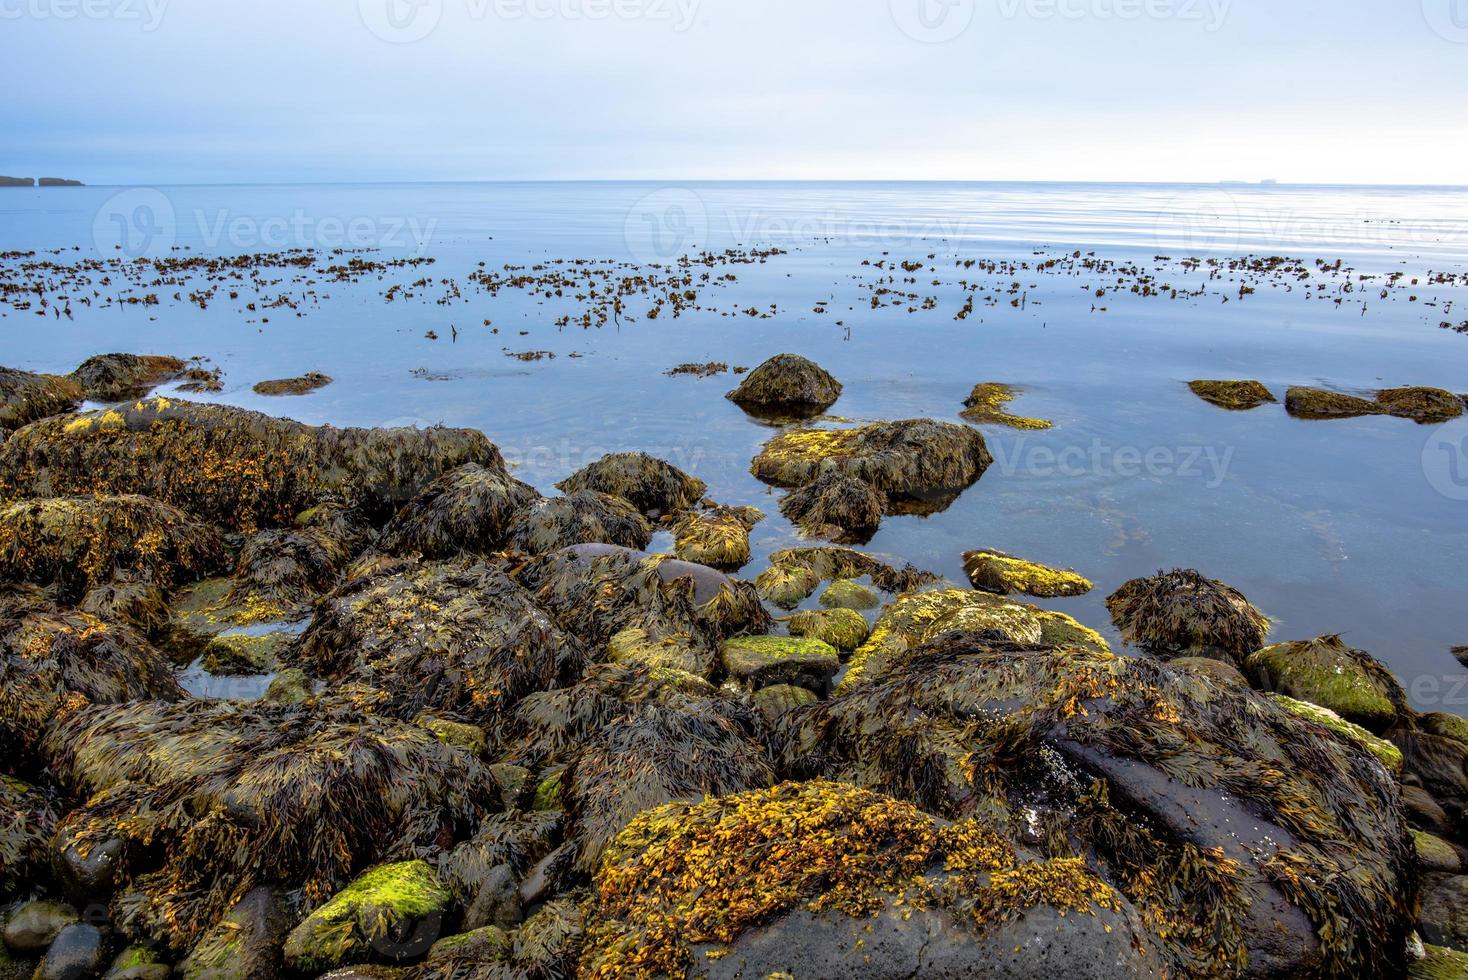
718, 537
839, 508
210, 799
584, 517
27, 821
787, 386
1184, 613
467, 510
795, 574
1153, 777
655, 487
1002, 574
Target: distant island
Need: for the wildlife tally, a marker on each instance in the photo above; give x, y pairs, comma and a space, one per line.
43, 182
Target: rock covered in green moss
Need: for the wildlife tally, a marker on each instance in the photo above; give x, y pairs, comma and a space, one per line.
1445, 725
846, 594
1183, 613
836, 507
1439, 963
1388, 754
471, 738
487, 944
777, 700
654, 487
761, 661
1320, 403
246, 943
393, 912
290, 686
26, 397
121, 377
658, 650
986, 405
844, 629
1238, 396
1325, 671
994, 571
1435, 854
718, 538
787, 386
584, 517
469, 510
139, 963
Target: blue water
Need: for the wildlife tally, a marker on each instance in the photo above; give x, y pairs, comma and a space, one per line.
1357, 527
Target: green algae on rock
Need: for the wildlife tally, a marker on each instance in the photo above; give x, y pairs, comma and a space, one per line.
658, 650
762, 661
1237, 396
1439, 963
122, 377
778, 700
1319, 403
468, 510
654, 487
787, 386
1183, 613
393, 912
1389, 755
994, 571
304, 385
585, 517
26, 397
1426, 406
718, 538
1325, 671
986, 403
844, 629
840, 508
1435, 854
795, 574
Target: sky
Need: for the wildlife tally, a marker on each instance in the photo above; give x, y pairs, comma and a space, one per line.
279, 91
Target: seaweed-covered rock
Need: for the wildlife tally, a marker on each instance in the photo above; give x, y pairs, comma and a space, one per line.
586, 517
1424, 405
121, 377
1440, 765
919, 463
506, 846
143, 963
290, 686
484, 945
659, 650
213, 799
393, 912
718, 538
303, 385
986, 405
129, 600
1183, 613
1237, 396
762, 661
26, 397
1387, 753
544, 948
994, 571
826, 881
1325, 671
652, 486
468, 510
1156, 778
795, 574
787, 386
246, 943
836, 507
844, 629
846, 594
236, 468
779, 700
27, 818
1319, 403
290, 568
81, 542
446, 637
1441, 723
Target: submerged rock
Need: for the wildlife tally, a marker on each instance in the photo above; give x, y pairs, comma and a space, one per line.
1182, 613
763, 661
469, 510
1318, 403
718, 538
122, 377
304, 385
1325, 671
821, 880
994, 571
1153, 777
394, 912
1238, 396
652, 486
787, 386
586, 517
840, 508
986, 403
27, 397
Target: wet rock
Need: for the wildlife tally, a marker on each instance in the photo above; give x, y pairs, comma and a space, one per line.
652, 486
1435, 855
824, 880
1217, 670
295, 796
779, 700
1387, 753
1445, 725
795, 574
123, 377
26, 821
27, 397
394, 912
469, 510
1082, 747
139, 963
507, 845
787, 386
920, 464
1439, 764
844, 629
292, 568
836, 507
1425, 812
680, 651
1438, 963
87, 871
484, 945
1444, 919
846, 594
1238, 396
304, 385
246, 944
1325, 671
471, 738
78, 953
1425, 406
762, 661
986, 403
1318, 403
81, 543
289, 687
718, 538
587, 517
239, 469
35, 925
1183, 613
446, 637
994, 571
245, 654
498, 901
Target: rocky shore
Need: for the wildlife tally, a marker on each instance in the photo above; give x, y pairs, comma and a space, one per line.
499, 738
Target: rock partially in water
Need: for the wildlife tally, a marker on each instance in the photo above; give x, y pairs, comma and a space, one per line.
824, 880
1301, 867
123, 377
27, 818
764, 661
586, 517
654, 487
844, 629
787, 386
394, 912
986, 405
1237, 396
718, 538
304, 385
838, 508
26, 397
1182, 613
795, 574
246, 943
1319, 403
1426, 406
213, 799
1324, 671
1001, 574
470, 510
290, 686
78, 543
449, 637
846, 594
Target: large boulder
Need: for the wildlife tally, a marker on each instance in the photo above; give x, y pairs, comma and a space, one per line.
1324, 671
1255, 843
654, 487
26, 397
235, 468
787, 386
468, 510
821, 880
121, 377
1182, 613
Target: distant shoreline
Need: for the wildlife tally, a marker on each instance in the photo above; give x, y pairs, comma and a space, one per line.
39, 182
